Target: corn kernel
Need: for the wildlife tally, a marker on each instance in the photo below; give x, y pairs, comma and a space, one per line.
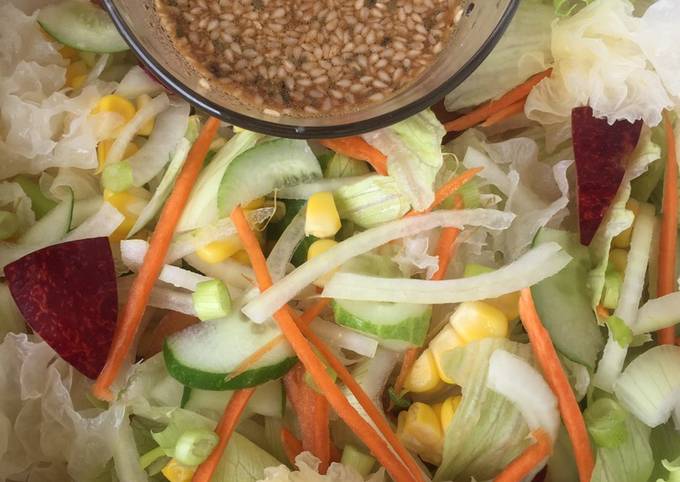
318, 247
130, 204
618, 258
322, 218
103, 149
424, 375
474, 320
420, 430
76, 74
622, 240
446, 340
448, 410
218, 251
117, 105
176, 472
147, 127
242, 257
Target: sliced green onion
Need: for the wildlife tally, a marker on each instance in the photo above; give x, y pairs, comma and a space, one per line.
359, 461
151, 456
194, 446
342, 166
118, 177
193, 128
211, 300
9, 223
620, 331
401, 402
40, 203
606, 422
473, 269
612, 289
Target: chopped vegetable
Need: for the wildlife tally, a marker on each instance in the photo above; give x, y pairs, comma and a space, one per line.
357, 148
211, 300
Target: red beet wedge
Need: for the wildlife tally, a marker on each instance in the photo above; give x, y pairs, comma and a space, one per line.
601, 151
67, 294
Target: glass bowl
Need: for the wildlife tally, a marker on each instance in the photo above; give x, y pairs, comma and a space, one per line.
477, 32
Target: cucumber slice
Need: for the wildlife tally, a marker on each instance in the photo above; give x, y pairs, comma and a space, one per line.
396, 326
563, 302
203, 355
82, 26
263, 169
53, 226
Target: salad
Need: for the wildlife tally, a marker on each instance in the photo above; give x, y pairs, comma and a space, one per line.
488, 293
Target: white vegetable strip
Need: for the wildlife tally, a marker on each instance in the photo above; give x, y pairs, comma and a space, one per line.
102, 223
649, 387
283, 250
265, 305
168, 131
133, 252
137, 82
157, 105
233, 273
163, 297
188, 242
342, 337
125, 455
98, 68
537, 264
163, 189
519, 382
658, 313
614, 354
304, 191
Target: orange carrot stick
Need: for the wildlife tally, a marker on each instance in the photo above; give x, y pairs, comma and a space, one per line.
128, 323
357, 148
312, 415
224, 429
545, 354
505, 113
668, 235
407, 363
483, 112
447, 189
528, 460
284, 317
291, 445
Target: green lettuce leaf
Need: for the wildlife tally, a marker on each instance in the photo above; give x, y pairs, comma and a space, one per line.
371, 201
243, 461
414, 155
487, 431
665, 442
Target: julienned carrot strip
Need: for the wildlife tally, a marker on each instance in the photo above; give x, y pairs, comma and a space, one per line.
407, 363
371, 410
668, 235
528, 460
357, 148
307, 317
546, 356
447, 189
483, 112
291, 445
395, 467
312, 415
224, 429
128, 323
505, 113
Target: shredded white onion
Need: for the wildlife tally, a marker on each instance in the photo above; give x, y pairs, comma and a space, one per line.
233, 273
102, 223
342, 337
157, 105
283, 250
98, 68
304, 191
133, 252
163, 297
535, 265
519, 382
265, 305
658, 313
137, 82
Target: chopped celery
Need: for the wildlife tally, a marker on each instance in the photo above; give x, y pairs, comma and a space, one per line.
117, 177
40, 203
359, 461
606, 422
342, 166
211, 300
151, 456
9, 223
194, 446
620, 331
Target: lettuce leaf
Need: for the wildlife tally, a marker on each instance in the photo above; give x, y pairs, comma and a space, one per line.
523, 50
308, 471
487, 431
606, 58
414, 155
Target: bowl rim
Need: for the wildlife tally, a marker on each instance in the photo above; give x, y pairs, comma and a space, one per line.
273, 128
